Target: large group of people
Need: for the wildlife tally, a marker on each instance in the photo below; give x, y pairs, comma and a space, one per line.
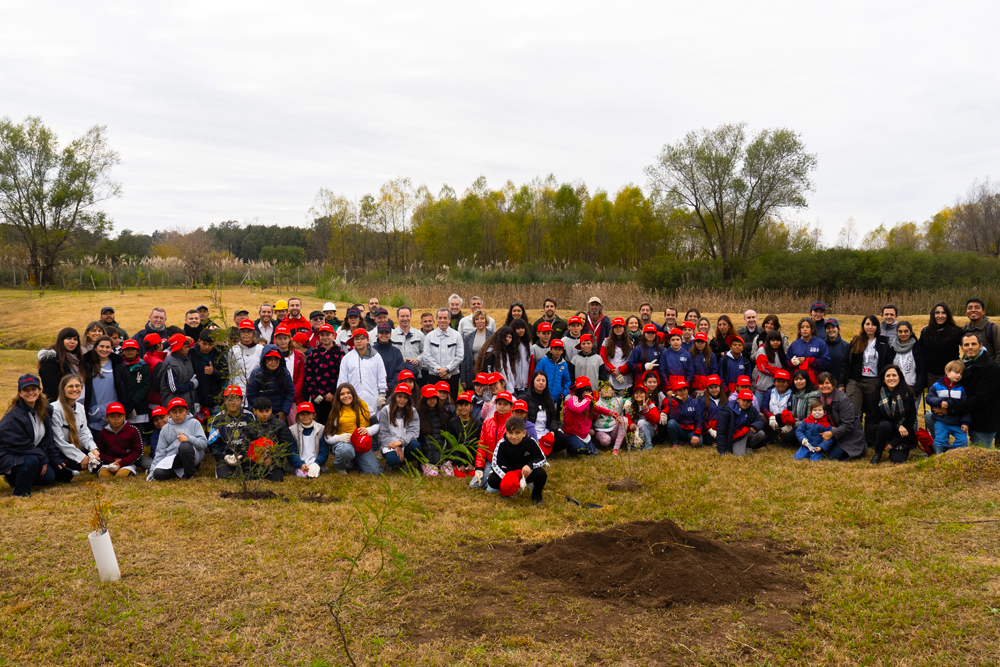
464, 395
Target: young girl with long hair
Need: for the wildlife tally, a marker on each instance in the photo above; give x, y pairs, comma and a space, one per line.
615, 353
399, 428
350, 417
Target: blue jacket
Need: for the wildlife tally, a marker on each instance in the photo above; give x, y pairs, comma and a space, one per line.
939, 392
815, 349
732, 421
226, 434
281, 399
394, 364
641, 355
17, 439
557, 374
731, 369
838, 350
813, 432
688, 414
678, 363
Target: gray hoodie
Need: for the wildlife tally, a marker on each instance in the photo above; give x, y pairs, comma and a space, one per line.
168, 444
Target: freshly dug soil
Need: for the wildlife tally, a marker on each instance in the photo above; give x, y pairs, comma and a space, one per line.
657, 564
624, 485
318, 497
250, 495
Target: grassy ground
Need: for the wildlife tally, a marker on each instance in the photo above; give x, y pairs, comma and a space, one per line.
209, 581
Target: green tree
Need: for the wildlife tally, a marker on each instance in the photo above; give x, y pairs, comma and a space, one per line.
48, 193
734, 184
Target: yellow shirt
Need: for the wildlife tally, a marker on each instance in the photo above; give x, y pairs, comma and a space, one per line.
348, 422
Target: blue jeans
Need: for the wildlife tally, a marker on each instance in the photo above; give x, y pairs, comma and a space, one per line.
578, 446
365, 462
677, 434
982, 438
804, 453
487, 469
837, 454
941, 433
26, 475
410, 452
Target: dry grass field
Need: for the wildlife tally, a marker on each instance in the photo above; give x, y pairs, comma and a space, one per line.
895, 565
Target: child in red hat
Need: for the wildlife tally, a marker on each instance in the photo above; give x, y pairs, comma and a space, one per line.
119, 444
518, 463
466, 429
181, 445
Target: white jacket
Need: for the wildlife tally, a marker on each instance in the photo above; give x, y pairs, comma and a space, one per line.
242, 362
443, 349
366, 373
410, 346
465, 325
60, 431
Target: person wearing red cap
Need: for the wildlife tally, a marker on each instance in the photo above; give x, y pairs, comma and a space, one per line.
272, 380
740, 426
154, 356
768, 358
308, 456
244, 356
467, 429
351, 418
433, 420
775, 404
492, 433
518, 453
587, 363
685, 417
574, 329
158, 418
295, 363
648, 356
443, 392
733, 364
480, 389
712, 402
178, 379
140, 382
227, 432
642, 416
577, 417
119, 444
678, 364
556, 371
181, 445
322, 370
687, 335
615, 353
543, 338
364, 369
705, 363
399, 428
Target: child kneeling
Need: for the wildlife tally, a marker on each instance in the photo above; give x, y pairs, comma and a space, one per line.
310, 452
518, 463
119, 444
810, 433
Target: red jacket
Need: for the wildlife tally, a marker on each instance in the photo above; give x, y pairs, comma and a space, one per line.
125, 446
492, 433
623, 369
652, 415
299, 374
297, 324
153, 359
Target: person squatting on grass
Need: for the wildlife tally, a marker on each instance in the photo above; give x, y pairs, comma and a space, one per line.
182, 445
518, 463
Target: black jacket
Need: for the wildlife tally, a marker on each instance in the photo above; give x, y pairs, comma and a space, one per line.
122, 382
50, 373
509, 457
939, 350
17, 439
982, 386
392, 358
874, 417
209, 386
851, 365
838, 350
551, 414
466, 433
143, 332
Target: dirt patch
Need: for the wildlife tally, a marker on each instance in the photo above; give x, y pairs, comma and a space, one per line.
657, 564
318, 498
652, 577
251, 495
624, 485
968, 463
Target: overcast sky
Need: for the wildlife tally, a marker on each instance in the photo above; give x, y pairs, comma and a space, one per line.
244, 110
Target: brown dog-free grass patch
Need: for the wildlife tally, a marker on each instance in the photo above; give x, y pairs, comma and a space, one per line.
658, 564
624, 485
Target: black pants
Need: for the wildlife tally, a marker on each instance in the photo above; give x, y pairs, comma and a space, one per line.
27, 474
537, 479
273, 473
560, 442
186, 460
886, 433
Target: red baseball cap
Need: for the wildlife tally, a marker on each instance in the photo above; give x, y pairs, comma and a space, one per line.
176, 403
676, 332
404, 375
743, 379
246, 324
302, 337
159, 412
442, 386
465, 397
282, 330
483, 378
130, 344
232, 390
558, 343
582, 383
575, 320
521, 405
546, 441
273, 353
618, 322
358, 332
305, 406
680, 384
326, 327
649, 328
114, 408
687, 325
505, 396
544, 326
177, 341
745, 394
732, 338
429, 391
701, 335
584, 337
402, 389
152, 339
782, 374
510, 483
361, 443
713, 379
495, 377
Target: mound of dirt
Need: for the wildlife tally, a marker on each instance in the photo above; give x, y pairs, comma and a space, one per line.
658, 564
969, 463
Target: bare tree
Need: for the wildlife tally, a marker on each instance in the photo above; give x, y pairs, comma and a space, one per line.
848, 235
976, 218
734, 185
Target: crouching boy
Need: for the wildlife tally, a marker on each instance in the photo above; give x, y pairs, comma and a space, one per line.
181, 445
518, 463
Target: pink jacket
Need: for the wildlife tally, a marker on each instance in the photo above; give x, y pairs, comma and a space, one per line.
576, 417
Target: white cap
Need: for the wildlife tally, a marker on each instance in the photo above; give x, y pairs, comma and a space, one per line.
330, 305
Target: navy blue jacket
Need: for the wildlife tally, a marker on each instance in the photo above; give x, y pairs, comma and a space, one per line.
17, 439
281, 399
394, 364
731, 420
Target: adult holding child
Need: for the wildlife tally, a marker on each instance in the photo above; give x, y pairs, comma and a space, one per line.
863, 363
982, 388
59, 360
